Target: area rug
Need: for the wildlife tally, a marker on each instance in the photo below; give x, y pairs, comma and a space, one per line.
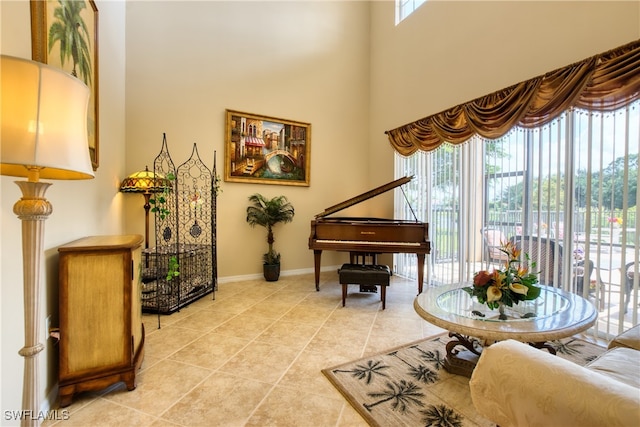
408, 386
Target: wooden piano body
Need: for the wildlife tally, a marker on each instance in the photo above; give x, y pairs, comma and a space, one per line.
368, 235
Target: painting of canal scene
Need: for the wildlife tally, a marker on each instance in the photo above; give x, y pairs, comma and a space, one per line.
266, 150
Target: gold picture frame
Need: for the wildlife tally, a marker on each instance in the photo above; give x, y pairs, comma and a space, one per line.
49, 29
266, 150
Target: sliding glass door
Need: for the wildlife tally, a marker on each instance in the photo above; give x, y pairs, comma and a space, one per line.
571, 183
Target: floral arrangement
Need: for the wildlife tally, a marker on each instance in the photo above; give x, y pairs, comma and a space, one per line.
615, 221
508, 286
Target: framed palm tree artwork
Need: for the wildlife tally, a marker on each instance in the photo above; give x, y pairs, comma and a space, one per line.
64, 34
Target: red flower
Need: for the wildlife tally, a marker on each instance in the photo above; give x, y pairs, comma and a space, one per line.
482, 278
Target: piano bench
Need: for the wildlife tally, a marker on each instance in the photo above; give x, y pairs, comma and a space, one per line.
370, 274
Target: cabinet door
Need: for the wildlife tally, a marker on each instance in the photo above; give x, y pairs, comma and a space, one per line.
95, 328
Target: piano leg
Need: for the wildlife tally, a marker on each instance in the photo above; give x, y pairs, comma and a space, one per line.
316, 265
420, 272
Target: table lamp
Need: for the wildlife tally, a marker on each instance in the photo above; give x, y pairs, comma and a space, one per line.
146, 183
43, 135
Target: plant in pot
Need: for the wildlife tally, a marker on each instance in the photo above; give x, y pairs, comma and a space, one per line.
267, 213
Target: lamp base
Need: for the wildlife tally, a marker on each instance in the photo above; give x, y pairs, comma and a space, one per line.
32, 209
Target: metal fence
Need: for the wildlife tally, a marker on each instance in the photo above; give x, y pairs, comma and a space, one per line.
593, 226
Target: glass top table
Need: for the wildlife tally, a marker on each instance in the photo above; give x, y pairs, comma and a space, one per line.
555, 314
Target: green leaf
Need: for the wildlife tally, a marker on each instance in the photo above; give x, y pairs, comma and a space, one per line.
534, 292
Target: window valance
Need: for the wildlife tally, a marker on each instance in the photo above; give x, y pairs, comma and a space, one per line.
603, 82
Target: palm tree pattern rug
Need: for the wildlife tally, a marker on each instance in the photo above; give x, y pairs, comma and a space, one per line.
408, 386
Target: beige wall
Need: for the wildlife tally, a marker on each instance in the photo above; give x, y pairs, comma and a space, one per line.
342, 66
449, 52
306, 61
80, 208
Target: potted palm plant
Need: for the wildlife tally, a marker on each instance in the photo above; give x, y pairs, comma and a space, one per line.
267, 213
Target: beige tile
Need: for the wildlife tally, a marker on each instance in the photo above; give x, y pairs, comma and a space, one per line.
261, 361
206, 319
272, 308
429, 330
101, 412
330, 291
307, 312
290, 334
260, 289
379, 344
237, 305
164, 423
369, 301
227, 291
351, 318
220, 400
160, 386
393, 332
204, 302
210, 351
167, 340
245, 325
80, 400
290, 295
351, 418
288, 407
348, 344
167, 319
306, 373
148, 361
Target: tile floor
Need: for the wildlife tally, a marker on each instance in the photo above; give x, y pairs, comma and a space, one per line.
252, 356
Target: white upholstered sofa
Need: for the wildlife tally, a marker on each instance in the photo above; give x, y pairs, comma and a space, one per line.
515, 384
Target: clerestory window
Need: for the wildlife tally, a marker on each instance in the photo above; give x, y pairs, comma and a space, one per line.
405, 8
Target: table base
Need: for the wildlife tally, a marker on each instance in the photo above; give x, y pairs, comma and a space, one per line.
462, 362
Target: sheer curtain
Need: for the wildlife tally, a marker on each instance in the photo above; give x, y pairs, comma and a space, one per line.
572, 181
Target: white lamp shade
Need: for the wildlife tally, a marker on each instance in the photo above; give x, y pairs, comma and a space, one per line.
44, 121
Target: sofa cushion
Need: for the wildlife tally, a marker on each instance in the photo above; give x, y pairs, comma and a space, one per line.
515, 384
629, 338
619, 363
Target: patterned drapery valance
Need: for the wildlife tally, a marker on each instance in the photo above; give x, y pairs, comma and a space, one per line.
604, 82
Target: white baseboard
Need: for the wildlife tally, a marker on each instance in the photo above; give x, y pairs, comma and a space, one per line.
230, 279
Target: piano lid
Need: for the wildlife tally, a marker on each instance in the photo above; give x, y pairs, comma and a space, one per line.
365, 196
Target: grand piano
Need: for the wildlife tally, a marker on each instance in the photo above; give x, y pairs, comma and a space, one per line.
368, 235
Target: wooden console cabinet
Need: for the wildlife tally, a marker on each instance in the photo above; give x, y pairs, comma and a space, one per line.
101, 330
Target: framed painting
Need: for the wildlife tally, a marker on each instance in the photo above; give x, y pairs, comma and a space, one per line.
64, 34
266, 150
